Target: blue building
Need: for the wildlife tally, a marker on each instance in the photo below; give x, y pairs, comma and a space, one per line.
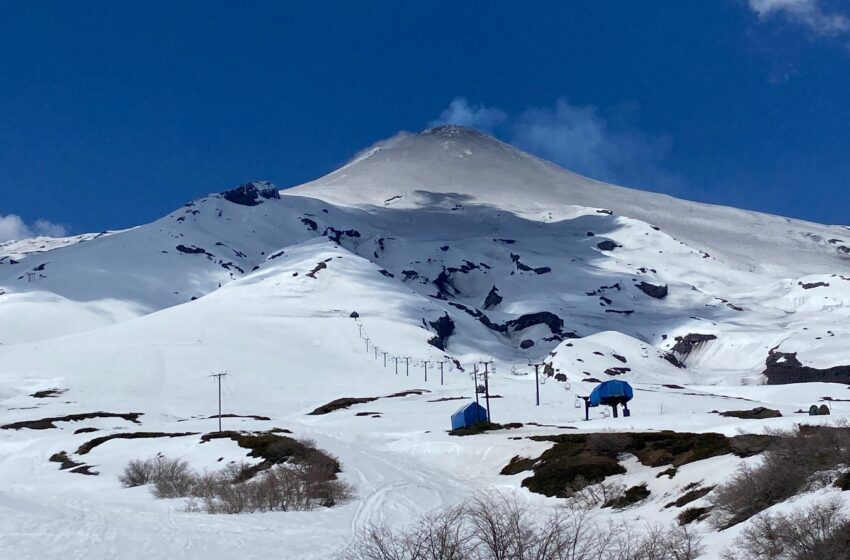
609, 393
469, 415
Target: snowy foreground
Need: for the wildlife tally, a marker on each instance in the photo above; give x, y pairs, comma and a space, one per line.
530, 263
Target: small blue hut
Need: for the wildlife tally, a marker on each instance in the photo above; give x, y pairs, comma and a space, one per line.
468, 415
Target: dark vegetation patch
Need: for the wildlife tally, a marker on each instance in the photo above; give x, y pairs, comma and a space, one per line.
690, 515
843, 481
482, 427
85, 430
669, 472
65, 462
48, 423
690, 496
444, 399
653, 291
91, 444
783, 367
517, 465
252, 416
347, 402
758, 413
372, 414
275, 449
47, 393
593, 457
630, 497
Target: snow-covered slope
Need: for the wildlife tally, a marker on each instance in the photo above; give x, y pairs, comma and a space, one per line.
428, 251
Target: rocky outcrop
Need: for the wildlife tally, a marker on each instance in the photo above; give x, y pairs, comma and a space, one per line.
251, 194
782, 368
444, 327
493, 298
653, 291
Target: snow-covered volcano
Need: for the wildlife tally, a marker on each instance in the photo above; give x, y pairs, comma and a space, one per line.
433, 251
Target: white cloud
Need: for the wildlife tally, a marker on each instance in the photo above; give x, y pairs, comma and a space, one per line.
578, 138
809, 13
460, 112
13, 227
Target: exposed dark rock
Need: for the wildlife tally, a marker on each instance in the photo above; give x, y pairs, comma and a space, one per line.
444, 327
387, 273
47, 393
336, 235
758, 413
608, 245
685, 345
526, 344
410, 274
310, 223
48, 423
657, 292
192, 250
810, 285
251, 194
619, 357
555, 323
493, 298
783, 367
316, 269
617, 370
620, 311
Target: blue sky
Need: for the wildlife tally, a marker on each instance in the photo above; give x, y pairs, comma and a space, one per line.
114, 113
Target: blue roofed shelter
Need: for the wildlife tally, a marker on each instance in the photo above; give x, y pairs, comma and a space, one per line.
609, 393
468, 415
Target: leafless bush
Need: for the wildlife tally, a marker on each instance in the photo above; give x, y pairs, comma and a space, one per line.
582, 495
804, 458
282, 487
496, 527
169, 476
818, 532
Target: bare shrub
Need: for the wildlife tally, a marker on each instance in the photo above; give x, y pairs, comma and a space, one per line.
818, 532
801, 459
239, 487
582, 495
496, 527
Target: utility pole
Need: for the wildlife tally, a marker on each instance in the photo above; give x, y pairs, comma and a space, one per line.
441, 362
407, 366
360, 329
425, 363
486, 365
385, 358
475, 378
367, 343
537, 380
219, 376
376, 351
396, 359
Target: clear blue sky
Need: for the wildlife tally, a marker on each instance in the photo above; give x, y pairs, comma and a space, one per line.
114, 113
